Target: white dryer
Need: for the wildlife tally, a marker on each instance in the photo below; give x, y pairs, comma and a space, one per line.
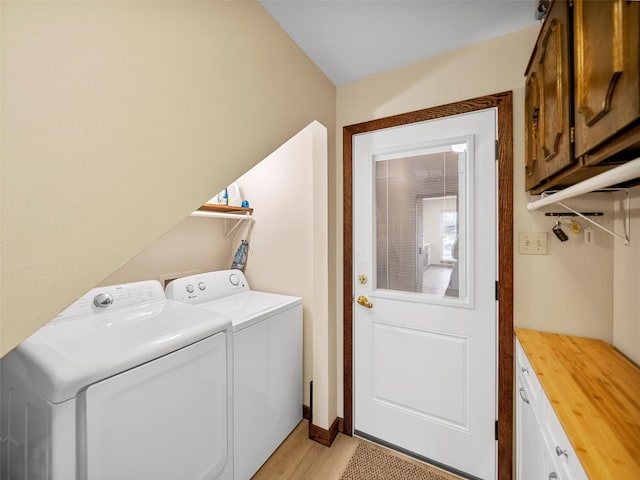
267, 334
123, 385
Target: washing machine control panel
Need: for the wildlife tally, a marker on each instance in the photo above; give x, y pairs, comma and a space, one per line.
103, 299
207, 286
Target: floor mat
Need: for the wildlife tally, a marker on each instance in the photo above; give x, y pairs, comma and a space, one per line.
372, 463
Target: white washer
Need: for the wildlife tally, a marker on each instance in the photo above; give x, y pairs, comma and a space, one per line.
267, 334
123, 385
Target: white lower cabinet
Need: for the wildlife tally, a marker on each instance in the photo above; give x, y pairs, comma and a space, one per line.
543, 450
529, 442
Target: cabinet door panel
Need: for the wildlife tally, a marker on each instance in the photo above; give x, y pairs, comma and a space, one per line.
532, 167
554, 115
548, 102
607, 94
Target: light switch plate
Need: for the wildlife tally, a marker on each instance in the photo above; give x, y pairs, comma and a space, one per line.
532, 243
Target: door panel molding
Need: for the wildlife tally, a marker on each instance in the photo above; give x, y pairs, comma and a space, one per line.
436, 347
503, 103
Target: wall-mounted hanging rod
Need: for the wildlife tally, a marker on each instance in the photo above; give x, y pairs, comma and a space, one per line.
620, 174
571, 214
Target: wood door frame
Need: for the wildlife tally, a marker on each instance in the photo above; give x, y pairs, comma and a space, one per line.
503, 103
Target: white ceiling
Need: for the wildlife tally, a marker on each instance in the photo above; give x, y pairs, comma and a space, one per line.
353, 39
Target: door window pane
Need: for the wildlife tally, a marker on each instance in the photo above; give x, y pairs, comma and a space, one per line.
419, 223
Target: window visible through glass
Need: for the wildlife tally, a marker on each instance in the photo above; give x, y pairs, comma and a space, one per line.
417, 222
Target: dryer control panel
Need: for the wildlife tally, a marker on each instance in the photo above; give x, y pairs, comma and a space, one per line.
208, 286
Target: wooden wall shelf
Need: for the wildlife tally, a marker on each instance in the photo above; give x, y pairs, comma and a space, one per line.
226, 212
212, 207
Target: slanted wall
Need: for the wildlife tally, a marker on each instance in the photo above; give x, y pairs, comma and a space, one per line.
120, 118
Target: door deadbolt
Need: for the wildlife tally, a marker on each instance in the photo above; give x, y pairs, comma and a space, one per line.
362, 279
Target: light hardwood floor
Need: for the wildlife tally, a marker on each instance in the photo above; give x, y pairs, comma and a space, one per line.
299, 458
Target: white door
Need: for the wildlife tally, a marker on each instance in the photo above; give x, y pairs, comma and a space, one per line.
425, 352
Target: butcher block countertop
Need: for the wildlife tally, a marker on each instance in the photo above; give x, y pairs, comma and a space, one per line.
595, 392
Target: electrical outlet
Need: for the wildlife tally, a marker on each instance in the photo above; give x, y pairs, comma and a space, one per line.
532, 243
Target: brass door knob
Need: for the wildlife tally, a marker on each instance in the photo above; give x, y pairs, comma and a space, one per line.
362, 300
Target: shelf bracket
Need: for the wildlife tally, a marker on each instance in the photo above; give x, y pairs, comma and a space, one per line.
239, 221
625, 237
239, 218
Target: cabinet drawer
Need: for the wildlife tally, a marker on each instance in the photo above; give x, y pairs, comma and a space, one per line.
529, 378
559, 444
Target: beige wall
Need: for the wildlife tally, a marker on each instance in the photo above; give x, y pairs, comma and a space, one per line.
119, 119
485, 68
288, 244
626, 292
195, 245
570, 290
579, 291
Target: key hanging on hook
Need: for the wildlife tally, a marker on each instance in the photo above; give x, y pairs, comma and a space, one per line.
557, 230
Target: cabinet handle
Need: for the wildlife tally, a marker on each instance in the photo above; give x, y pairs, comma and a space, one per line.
525, 370
523, 396
553, 476
560, 452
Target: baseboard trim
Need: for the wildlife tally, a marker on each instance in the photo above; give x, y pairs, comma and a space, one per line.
319, 434
323, 436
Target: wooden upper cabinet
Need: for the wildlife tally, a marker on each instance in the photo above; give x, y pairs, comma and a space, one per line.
548, 105
606, 59
582, 93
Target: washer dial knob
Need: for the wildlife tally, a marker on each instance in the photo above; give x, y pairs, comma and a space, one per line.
190, 288
202, 286
103, 300
234, 279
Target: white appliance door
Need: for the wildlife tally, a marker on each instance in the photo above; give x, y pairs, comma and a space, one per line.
164, 420
425, 338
